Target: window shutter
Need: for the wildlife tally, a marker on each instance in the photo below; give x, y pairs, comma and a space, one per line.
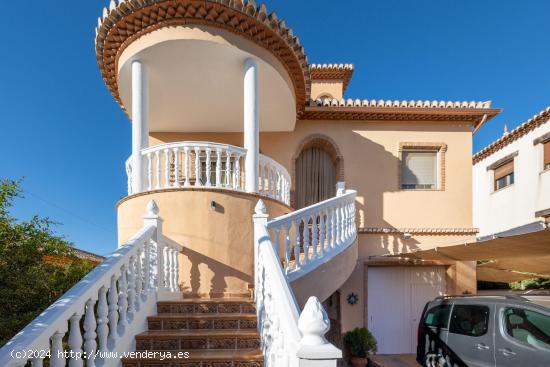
419, 168
504, 169
547, 153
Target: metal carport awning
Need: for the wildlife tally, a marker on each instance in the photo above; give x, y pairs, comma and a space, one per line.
504, 258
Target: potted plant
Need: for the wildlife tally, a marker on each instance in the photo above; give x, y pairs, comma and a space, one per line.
360, 343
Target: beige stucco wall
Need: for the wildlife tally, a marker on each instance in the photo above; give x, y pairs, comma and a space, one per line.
334, 89
371, 166
218, 257
370, 152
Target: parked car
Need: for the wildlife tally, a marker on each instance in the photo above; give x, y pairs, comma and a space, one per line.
483, 331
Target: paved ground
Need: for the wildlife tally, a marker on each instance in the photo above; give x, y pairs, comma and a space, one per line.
395, 360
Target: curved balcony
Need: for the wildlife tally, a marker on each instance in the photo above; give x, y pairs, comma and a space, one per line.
207, 165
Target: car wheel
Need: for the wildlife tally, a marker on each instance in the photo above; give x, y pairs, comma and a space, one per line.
435, 360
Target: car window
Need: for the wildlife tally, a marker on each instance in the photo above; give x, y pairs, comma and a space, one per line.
528, 326
469, 320
438, 316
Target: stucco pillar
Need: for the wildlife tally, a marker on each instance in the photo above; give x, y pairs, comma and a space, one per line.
251, 125
140, 126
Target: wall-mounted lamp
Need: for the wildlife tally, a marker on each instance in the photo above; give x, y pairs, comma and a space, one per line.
213, 205
407, 236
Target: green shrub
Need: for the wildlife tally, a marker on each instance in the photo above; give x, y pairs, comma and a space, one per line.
360, 342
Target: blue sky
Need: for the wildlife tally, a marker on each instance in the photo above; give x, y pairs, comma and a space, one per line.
63, 132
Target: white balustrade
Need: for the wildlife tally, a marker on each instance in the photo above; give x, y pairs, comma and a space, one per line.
315, 234
112, 301
206, 164
288, 340
274, 180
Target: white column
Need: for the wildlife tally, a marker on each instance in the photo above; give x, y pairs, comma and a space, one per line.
140, 127
251, 125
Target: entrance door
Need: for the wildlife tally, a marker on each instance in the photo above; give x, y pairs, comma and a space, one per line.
315, 177
396, 298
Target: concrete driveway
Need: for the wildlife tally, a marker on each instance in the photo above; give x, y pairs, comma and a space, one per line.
395, 360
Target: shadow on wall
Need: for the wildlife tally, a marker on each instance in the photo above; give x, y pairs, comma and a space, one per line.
194, 282
378, 174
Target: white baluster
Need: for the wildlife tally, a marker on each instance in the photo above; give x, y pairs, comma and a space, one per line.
269, 183
129, 174
166, 264
75, 341
176, 270
149, 172
122, 299
322, 233
286, 232
228, 169
272, 182
176, 168
306, 239
238, 172
58, 356
157, 169
90, 345
314, 235
139, 279
297, 261
262, 178
187, 167
131, 289
277, 240
102, 320
147, 268
218, 167
113, 311
336, 226
174, 264
166, 168
198, 173
208, 167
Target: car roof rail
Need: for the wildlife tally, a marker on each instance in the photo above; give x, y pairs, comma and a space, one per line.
516, 297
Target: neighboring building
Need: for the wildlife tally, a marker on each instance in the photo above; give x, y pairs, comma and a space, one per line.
512, 180
208, 86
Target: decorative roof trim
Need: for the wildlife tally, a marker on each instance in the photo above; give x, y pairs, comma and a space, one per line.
523, 129
342, 72
127, 20
419, 231
333, 102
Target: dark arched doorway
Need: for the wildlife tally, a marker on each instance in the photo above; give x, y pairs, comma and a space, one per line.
316, 176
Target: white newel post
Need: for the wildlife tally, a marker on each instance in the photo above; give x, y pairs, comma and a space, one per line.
315, 350
140, 128
251, 124
152, 218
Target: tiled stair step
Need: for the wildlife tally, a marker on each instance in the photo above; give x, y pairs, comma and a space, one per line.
204, 358
205, 306
197, 321
197, 339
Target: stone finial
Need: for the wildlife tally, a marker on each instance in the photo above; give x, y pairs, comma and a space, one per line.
313, 323
505, 130
260, 207
152, 208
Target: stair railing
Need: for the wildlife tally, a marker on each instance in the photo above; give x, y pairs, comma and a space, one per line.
104, 311
289, 339
312, 236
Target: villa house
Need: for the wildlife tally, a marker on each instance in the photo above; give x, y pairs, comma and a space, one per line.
264, 186
512, 201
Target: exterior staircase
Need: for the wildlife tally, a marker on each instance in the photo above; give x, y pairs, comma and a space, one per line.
220, 332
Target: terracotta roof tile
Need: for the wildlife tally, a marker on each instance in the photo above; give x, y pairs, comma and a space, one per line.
523, 129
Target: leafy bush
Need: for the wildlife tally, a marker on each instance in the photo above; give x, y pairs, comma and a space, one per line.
360, 342
537, 283
28, 282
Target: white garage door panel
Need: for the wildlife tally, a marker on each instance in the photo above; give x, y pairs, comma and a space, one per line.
396, 298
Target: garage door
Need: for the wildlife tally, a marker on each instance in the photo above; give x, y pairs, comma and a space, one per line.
396, 298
